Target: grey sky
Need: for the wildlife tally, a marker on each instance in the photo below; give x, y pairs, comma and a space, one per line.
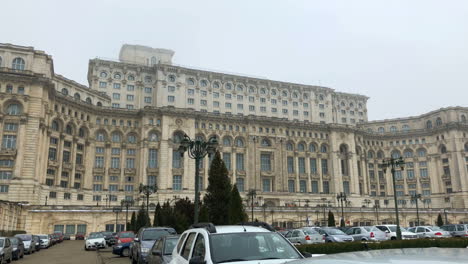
409, 57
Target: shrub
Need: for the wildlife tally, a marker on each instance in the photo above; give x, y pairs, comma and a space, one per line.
333, 248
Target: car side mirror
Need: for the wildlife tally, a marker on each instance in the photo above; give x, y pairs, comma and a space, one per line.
156, 253
136, 239
307, 255
386, 231
197, 260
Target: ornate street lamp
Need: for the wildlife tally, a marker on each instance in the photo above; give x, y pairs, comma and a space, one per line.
252, 194
147, 190
414, 198
197, 149
126, 203
393, 163
341, 197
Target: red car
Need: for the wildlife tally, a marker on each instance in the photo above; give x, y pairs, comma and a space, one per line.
125, 237
79, 236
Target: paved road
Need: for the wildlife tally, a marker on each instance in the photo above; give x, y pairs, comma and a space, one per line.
108, 258
68, 252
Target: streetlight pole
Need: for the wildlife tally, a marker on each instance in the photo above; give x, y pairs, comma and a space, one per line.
252, 194
197, 149
415, 198
376, 207
46, 197
341, 197
147, 190
393, 163
116, 210
126, 203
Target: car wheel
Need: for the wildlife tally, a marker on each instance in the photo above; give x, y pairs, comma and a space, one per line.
393, 238
125, 252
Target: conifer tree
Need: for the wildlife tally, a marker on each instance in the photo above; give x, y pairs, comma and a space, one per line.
157, 215
236, 208
440, 222
132, 225
218, 193
331, 219
142, 219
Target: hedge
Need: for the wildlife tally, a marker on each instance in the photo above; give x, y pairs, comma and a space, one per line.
333, 248
11, 233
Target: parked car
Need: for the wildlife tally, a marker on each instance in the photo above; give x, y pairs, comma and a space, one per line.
45, 240
18, 247
430, 232
29, 247
366, 233
6, 250
206, 243
145, 239
125, 237
122, 249
390, 230
66, 237
304, 236
110, 240
37, 242
95, 240
80, 236
456, 230
161, 252
333, 234
59, 236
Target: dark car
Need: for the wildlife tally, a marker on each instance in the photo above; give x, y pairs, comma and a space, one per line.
18, 247
110, 240
66, 237
59, 236
145, 239
27, 242
161, 252
80, 236
37, 242
122, 249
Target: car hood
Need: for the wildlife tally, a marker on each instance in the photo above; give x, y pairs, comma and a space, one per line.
27, 243
341, 236
394, 256
126, 240
266, 261
94, 240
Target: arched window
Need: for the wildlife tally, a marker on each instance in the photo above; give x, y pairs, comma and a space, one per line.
443, 149
369, 130
153, 61
177, 137
216, 85
393, 129
88, 100
239, 142
380, 155
116, 137
273, 92
148, 79
77, 96
203, 83
64, 91
295, 96
312, 147
131, 77
172, 78
265, 143
343, 149
55, 125
284, 93
18, 64
421, 152
69, 130
240, 88
301, 147
99, 104
100, 136
190, 81
228, 86
117, 76
306, 96
262, 91
251, 89
14, 109
81, 132
227, 141
131, 138
408, 153
289, 146
396, 154
153, 136
438, 121
103, 74
429, 124
323, 148
381, 130
405, 128
370, 154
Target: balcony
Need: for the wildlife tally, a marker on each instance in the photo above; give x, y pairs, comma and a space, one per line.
152, 170
130, 171
53, 163
80, 167
67, 165
114, 170
98, 170
8, 152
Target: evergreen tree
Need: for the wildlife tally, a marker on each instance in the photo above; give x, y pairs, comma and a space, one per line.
157, 215
131, 226
331, 219
218, 193
440, 222
142, 219
342, 223
236, 208
203, 217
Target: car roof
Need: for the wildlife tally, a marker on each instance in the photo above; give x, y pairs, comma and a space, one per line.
226, 229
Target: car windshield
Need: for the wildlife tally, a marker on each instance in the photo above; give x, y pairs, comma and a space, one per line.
333, 231
24, 237
96, 235
368, 228
392, 228
154, 234
43, 237
250, 246
14, 240
170, 244
1, 242
127, 235
107, 233
435, 228
310, 232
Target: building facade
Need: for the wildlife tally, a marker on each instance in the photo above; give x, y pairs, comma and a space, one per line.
71, 151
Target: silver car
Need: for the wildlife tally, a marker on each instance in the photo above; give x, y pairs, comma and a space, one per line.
6, 250
366, 233
431, 232
332, 234
457, 230
304, 236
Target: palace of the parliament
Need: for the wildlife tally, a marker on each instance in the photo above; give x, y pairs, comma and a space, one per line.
71, 152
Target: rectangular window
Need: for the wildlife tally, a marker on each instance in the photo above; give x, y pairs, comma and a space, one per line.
228, 105
301, 162
11, 127
128, 188
9, 142
423, 173
266, 185
171, 98
77, 185
113, 188
346, 187
130, 163
251, 99
102, 84
398, 175
240, 161
177, 183
147, 99
116, 96
410, 174
115, 163
171, 89
97, 198
66, 156
97, 187
291, 186
67, 196
130, 88
326, 187
302, 186
116, 85
274, 110
176, 159
152, 158
115, 105
148, 90
265, 162
324, 166
251, 108
5, 175
203, 102
99, 162
152, 180
290, 161
227, 160
79, 159
215, 95
115, 151
313, 165
64, 184
4, 188
240, 107
262, 109
52, 154
228, 96
131, 152
240, 184
99, 150
191, 101
130, 97
315, 187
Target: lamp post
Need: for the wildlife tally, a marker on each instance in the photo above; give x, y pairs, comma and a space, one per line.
126, 203
116, 210
341, 197
252, 194
376, 207
197, 149
147, 190
46, 197
415, 197
367, 202
393, 163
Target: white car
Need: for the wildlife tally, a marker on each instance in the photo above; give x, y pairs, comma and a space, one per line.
390, 230
46, 243
207, 244
95, 240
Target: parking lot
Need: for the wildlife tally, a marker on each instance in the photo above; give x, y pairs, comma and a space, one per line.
72, 252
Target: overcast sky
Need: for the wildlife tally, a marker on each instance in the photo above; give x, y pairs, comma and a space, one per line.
409, 57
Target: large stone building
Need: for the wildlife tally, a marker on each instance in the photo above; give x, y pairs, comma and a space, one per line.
71, 152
